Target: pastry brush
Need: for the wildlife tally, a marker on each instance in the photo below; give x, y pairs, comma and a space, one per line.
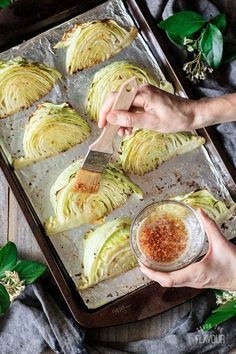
88, 178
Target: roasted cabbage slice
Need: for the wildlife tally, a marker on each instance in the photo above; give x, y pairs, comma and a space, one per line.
52, 128
145, 149
107, 252
110, 78
94, 42
22, 83
216, 209
73, 209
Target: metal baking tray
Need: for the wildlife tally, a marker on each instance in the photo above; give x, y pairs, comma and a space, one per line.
130, 307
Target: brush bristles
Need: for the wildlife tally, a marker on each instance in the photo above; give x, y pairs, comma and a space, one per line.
87, 181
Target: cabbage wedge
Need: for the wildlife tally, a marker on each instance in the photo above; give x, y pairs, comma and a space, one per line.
93, 42
73, 209
107, 252
23, 83
52, 128
110, 78
145, 149
216, 209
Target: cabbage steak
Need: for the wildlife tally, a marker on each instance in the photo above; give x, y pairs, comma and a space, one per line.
107, 252
52, 128
145, 149
93, 42
23, 83
73, 208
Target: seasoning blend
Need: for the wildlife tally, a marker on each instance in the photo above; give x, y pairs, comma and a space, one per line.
167, 236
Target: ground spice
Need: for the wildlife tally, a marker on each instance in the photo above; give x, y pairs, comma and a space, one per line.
164, 239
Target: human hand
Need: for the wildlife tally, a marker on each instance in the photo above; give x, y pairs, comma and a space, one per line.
216, 270
152, 108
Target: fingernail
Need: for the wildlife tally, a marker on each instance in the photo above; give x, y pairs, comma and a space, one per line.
99, 125
120, 133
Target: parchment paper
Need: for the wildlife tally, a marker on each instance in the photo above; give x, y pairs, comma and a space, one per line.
180, 175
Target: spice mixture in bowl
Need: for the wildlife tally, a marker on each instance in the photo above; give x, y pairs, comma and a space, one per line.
167, 236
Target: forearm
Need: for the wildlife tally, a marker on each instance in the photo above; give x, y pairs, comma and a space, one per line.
167, 113
209, 111
232, 285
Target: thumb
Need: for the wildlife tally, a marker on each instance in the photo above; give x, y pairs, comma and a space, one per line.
217, 241
212, 230
132, 119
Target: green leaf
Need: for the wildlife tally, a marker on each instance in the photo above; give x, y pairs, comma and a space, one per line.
175, 38
4, 300
183, 23
29, 271
220, 22
216, 319
220, 315
229, 306
229, 51
211, 45
8, 257
4, 3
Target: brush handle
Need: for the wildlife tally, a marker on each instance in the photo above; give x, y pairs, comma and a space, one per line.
123, 102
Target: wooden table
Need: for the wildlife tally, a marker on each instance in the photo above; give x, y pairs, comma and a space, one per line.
13, 227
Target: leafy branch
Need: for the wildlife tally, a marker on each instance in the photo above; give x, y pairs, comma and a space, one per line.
203, 39
15, 274
226, 310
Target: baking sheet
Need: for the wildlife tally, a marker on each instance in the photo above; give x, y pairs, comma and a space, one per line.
188, 172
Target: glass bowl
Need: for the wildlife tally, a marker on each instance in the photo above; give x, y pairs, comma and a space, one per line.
167, 236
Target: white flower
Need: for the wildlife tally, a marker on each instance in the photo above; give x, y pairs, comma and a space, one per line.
188, 40
190, 48
225, 297
196, 69
13, 284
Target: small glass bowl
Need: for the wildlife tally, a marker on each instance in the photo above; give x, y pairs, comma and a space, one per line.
193, 225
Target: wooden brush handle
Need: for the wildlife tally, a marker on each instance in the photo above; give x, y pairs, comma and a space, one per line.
123, 102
